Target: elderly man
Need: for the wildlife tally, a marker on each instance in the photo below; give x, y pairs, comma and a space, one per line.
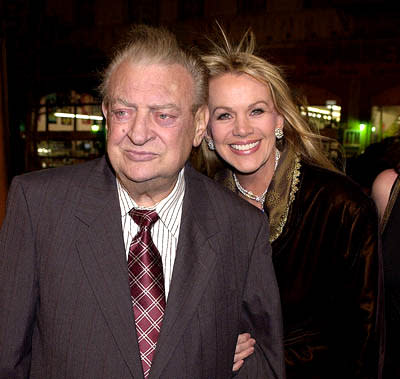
135, 265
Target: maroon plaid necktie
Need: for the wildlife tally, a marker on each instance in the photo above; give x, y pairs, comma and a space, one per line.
146, 280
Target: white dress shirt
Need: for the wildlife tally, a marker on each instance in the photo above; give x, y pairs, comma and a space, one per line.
165, 232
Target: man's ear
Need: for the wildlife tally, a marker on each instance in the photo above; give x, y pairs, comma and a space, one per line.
200, 121
104, 108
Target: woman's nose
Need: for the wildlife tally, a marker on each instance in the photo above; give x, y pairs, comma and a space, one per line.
242, 127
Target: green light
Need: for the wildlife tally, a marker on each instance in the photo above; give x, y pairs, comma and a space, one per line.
373, 129
95, 128
362, 127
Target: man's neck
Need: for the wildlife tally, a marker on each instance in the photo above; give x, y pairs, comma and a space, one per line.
149, 193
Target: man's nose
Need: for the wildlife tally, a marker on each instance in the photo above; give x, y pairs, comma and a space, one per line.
139, 131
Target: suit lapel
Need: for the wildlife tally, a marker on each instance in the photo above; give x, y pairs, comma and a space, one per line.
102, 253
195, 261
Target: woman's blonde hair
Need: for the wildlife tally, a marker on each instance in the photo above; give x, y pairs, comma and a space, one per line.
225, 58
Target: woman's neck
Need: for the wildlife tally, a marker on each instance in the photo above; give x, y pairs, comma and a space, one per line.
257, 183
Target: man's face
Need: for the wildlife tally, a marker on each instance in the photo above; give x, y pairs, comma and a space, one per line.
151, 128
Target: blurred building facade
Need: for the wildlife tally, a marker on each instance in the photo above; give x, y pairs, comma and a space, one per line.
342, 53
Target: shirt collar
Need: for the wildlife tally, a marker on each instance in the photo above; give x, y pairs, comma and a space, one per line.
165, 208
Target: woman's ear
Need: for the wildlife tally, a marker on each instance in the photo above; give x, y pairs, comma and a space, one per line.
281, 121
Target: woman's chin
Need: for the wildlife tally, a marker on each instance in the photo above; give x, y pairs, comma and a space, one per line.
247, 170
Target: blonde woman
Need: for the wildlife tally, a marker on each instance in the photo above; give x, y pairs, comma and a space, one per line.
323, 229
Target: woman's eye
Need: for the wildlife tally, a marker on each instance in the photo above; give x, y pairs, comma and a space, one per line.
224, 116
257, 111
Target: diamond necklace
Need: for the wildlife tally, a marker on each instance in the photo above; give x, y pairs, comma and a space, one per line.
260, 199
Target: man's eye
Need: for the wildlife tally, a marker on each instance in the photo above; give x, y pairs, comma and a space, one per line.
165, 119
224, 116
120, 114
257, 111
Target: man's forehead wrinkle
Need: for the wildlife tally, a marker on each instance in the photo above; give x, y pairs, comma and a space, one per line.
152, 93
122, 90
160, 96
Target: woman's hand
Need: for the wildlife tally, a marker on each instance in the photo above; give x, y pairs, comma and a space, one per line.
244, 348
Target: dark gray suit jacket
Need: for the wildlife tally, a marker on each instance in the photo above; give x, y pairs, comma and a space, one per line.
65, 306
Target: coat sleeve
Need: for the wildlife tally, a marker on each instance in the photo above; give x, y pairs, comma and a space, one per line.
261, 314
18, 286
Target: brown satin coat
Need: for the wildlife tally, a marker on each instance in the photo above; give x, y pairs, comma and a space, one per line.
328, 271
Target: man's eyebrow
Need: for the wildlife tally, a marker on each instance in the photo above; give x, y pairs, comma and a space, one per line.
153, 107
119, 100
156, 107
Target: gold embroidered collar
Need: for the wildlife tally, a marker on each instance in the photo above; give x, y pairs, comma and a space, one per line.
281, 192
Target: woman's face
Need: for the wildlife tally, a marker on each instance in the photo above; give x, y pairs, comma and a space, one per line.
242, 123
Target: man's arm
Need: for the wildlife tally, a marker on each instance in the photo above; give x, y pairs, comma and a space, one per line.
261, 314
18, 286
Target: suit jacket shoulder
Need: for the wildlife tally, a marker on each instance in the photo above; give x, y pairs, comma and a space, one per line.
223, 203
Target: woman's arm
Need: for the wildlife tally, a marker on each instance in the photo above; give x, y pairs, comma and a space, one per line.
244, 348
381, 189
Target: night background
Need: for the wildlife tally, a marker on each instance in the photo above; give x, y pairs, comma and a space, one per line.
340, 57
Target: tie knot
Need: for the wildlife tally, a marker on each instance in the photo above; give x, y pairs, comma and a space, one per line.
144, 217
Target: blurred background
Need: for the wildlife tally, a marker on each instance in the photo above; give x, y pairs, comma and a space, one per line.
340, 57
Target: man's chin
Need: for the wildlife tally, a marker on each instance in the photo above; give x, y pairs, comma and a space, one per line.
137, 178
146, 178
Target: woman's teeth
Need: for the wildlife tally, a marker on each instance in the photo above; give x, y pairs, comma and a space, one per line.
245, 147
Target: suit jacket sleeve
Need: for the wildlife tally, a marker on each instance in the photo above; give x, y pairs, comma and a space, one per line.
18, 286
261, 313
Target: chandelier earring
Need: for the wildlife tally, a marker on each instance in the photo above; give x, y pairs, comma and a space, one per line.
278, 133
210, 144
